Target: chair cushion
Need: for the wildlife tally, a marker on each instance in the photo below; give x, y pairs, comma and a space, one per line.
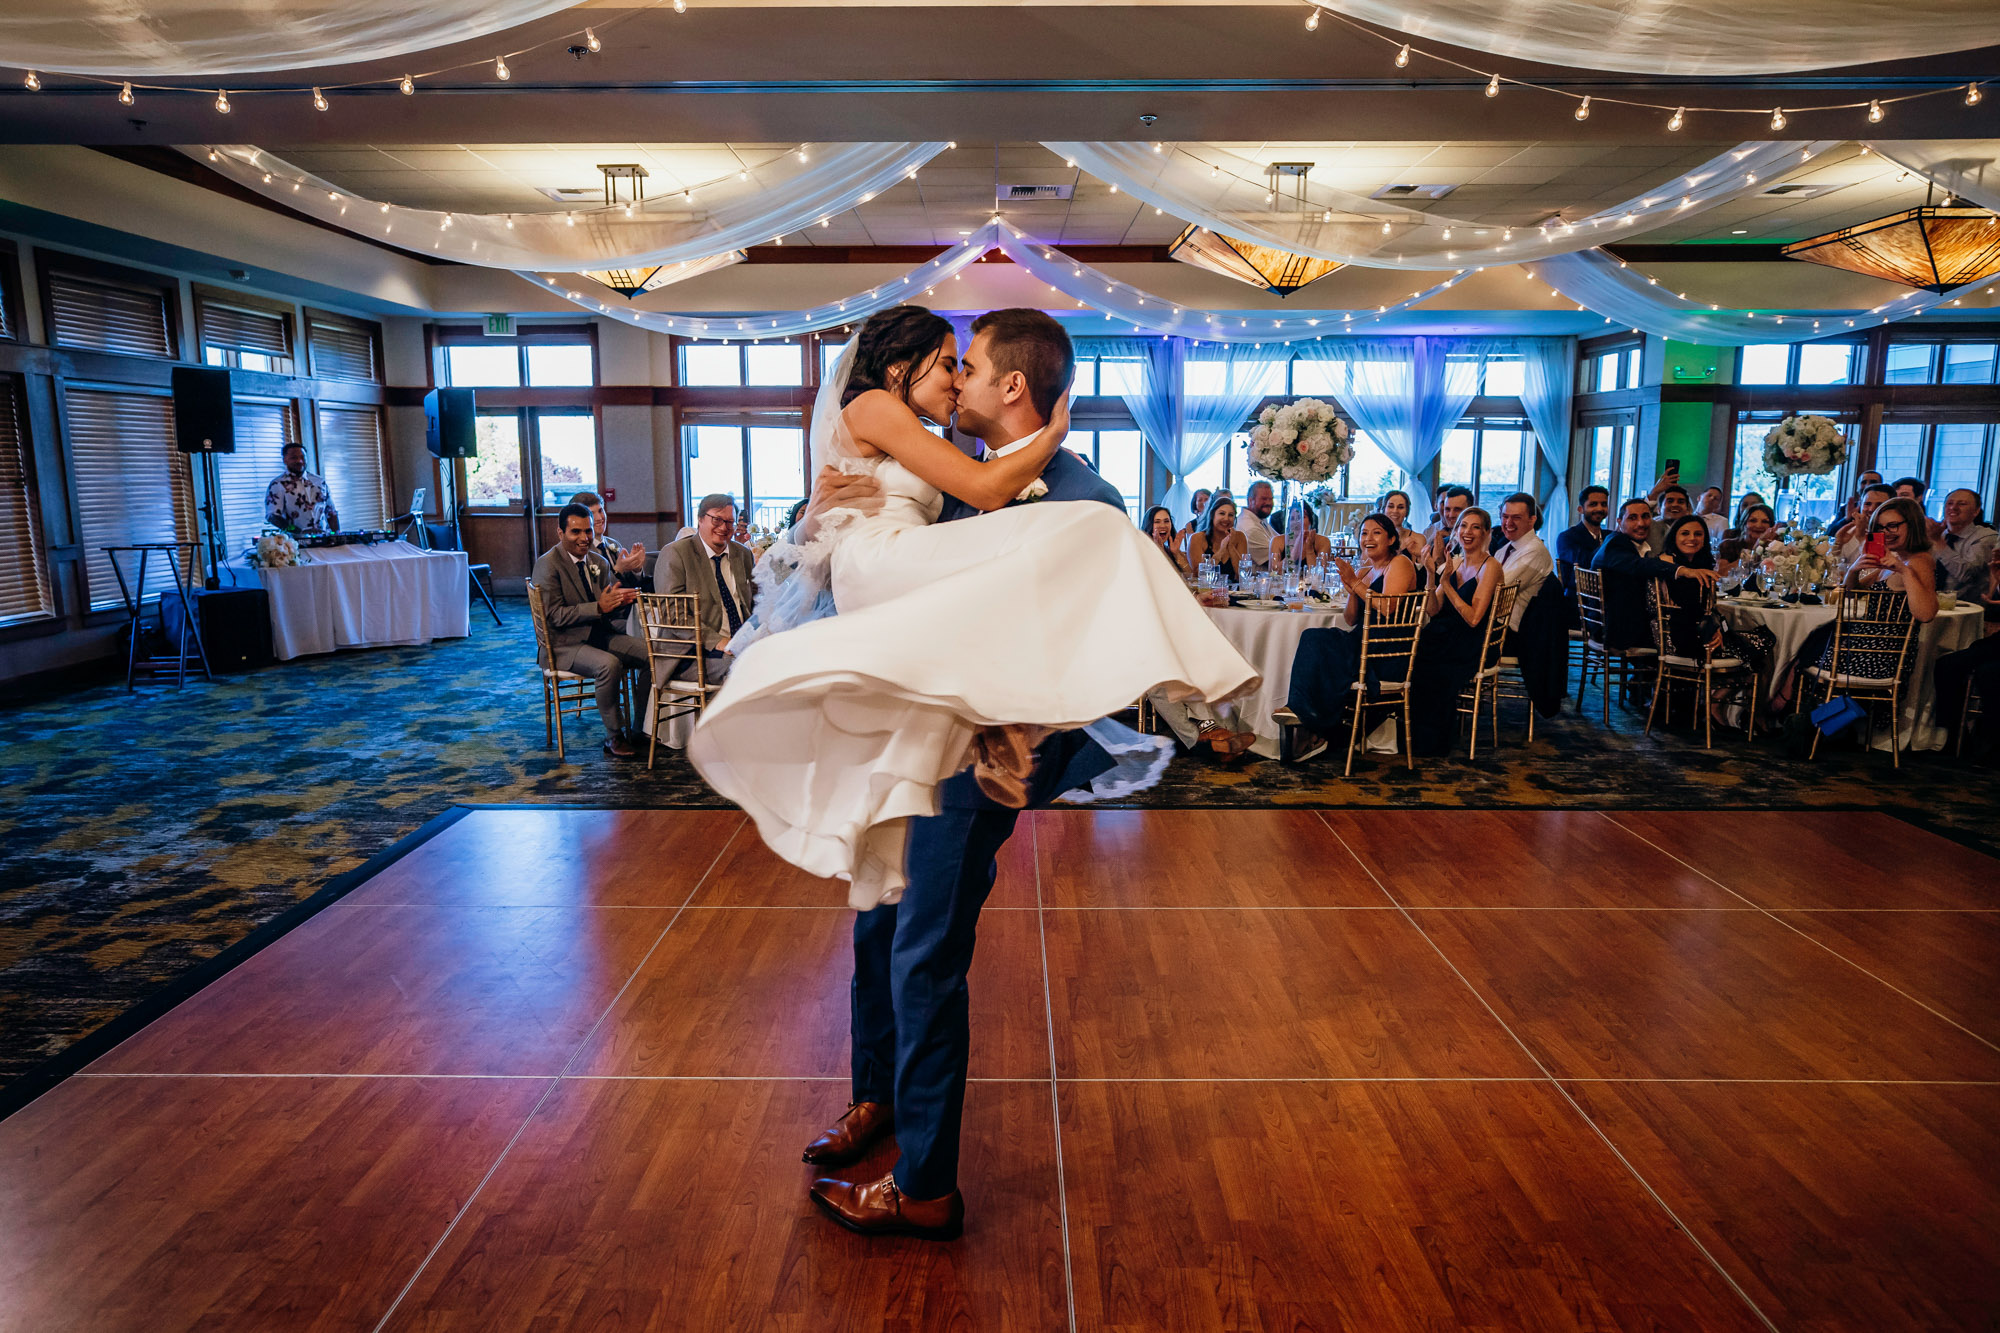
1385, 686
1714, 663
563, 675
1852, 682
1510, 661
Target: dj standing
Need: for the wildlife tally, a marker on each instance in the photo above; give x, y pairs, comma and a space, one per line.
300, 501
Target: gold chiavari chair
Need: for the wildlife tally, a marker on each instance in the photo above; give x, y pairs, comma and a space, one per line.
1388, 646
1975, 706
1700, 672
674, 648
1486, 681
1874, 635
560, 689
1624, 663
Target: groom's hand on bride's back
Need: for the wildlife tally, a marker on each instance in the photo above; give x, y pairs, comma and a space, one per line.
834, 489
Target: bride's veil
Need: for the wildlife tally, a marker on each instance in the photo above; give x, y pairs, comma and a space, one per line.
828, 433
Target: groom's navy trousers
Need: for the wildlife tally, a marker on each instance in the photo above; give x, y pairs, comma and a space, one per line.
911, 1033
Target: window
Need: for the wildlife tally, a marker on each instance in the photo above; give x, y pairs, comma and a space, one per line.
1319, 378
1371, 474
350, 458
567, 444
724, 365
131, 485
1609, 371
108, 316
828, 354
1948, 455
1968, 363
342, 351
24, 583
1486, 456
1910, 363
1941, 362
244, 338
1119, 457
538, 361
493, 477
1800, 363
763, 467
263, 428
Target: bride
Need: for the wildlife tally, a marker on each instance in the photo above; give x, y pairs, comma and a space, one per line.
950, 638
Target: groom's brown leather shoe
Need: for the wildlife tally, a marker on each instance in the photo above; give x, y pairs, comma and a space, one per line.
878, 1208
852, 1135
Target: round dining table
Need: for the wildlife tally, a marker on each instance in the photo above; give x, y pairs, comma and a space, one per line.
1948, 632
1269, 641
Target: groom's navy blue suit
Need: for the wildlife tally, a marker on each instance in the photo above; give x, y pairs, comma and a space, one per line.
911, 1033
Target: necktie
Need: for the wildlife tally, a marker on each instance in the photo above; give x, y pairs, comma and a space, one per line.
729, 610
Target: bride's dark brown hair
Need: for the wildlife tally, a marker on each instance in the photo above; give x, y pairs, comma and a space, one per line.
906, 335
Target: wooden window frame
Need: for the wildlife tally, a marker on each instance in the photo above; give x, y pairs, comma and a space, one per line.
372, 329
525, 336
206, 297
12, 312
49, 263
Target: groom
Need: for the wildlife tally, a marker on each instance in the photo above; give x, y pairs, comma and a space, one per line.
910, 1029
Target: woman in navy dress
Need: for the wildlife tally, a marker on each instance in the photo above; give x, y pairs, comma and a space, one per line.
1329, 660
1450, 645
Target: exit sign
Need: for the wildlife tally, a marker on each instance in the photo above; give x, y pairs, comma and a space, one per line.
499, 326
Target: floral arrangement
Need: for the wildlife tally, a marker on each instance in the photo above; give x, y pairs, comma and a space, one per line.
1809, 445
275, 550
1798, 560
1301, 441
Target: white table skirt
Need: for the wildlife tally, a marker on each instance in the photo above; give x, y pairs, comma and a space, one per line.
1950, 631
1269, 641
388, 594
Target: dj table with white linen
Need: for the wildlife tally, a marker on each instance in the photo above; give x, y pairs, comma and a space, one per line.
1950, 631
387, 594
1269, 641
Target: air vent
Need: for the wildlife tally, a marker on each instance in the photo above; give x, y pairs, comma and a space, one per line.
574, 194
1413, 192
1011, 193
1795, 191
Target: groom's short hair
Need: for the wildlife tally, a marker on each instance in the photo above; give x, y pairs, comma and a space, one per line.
1033, 343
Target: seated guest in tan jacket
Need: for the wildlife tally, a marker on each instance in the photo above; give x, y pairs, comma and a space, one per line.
716, 569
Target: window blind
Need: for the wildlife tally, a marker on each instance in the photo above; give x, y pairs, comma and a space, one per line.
244, 330
342, 353
131, 484
24, 584
107, 318
350, 455
262, 430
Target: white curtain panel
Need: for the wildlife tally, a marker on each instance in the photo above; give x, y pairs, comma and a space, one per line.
782, 194
1547, 389
1158, 404
1598, 282
1209, 185
1693, 37
124, 39
1247, 376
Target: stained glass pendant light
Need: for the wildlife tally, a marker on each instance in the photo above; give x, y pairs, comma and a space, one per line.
1262, 266
1933, 248
632, 282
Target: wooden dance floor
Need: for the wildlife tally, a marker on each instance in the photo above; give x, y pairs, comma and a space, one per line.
553, 1070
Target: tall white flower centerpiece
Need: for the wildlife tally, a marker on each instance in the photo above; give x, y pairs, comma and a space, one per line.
1305, 442
1810, 446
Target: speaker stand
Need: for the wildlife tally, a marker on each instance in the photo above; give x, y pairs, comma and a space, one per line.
211, 540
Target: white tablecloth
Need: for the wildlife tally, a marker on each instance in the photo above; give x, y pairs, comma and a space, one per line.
1269, 640
376, 596
1952, 630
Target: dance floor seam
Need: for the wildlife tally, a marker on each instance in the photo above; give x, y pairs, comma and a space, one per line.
1251, 1107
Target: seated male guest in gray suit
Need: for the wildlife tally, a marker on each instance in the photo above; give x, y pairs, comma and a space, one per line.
586, 606
717, 570
627, 562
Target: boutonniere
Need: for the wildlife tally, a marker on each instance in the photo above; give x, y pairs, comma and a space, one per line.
1036, 489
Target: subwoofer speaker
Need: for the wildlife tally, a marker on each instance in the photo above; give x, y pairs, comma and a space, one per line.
204, 416
450, 429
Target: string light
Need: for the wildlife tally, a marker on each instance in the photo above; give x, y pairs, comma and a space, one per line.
1875, 112
1312, 20
500, 70
1777, 118
1678, 119
590, 40
1385, 226
680, 6
407, 87
125, 95
1493, 86
222, 104
319, 100
1583, 108
1972, 94
1403, 57
34, 82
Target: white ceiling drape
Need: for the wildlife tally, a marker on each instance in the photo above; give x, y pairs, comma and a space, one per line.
1692, 37
132, 39
787, 193
1205, 183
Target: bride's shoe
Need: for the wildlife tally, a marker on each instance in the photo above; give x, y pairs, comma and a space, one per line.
1003, 759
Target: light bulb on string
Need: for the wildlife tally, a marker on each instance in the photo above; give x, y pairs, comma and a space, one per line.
680, 6
1875, 112
267, 178
500, 70
214, 156
1583, 108
1403, 57
1678, 119
1972, 94
1385, 226
125, 94
1493, 86
319, 100
590, 40
408, 87
1777, 118
222, 104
